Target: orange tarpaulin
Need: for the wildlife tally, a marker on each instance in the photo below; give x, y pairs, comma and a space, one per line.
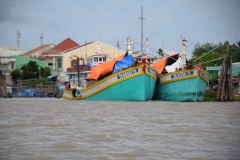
104, 68
159, 65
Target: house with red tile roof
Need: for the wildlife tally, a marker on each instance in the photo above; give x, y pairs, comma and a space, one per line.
61, 47
67, 61
35, 53
97, 51
56, 52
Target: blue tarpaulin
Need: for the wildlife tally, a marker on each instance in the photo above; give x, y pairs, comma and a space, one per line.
61, 87
52, 78
124, 63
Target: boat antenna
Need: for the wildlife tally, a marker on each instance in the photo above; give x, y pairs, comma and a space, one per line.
18, 38
41, 37
142, 29
118, 45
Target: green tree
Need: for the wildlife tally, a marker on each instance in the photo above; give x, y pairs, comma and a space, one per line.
46, 72
209, 57
160, 52
204, 48
234, 51
30, 70
199, 50
16, 74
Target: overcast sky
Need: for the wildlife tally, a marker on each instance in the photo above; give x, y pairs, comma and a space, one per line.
107, 21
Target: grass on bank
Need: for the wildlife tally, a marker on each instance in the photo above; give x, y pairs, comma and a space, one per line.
41, 81
208, 97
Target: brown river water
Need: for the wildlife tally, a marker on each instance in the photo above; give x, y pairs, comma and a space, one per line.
51, 128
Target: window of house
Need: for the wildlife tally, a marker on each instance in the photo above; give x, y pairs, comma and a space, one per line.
12, 65
59, 62
104, 59
74, 63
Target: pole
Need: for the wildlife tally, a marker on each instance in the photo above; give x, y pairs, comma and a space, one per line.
78, 70
39, 72
184, 53
142, 29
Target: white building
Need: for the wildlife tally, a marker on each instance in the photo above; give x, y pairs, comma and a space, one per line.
7, 64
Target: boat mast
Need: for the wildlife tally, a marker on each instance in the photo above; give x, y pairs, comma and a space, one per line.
142, 29
129, 48
184, 53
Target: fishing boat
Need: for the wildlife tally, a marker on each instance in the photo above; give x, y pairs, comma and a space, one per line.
122, 79
134, 83
178, 80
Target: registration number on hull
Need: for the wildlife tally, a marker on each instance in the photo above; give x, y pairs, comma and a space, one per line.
183, 74
125, 74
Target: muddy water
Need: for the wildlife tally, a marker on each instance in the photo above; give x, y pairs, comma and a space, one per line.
47, 128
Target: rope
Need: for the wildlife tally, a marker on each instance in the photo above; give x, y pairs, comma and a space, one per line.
157, 51
208, 52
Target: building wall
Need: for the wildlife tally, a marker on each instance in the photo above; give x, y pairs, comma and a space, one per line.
90, 50
20, 61
7, 52
217, 69
236, 69
7, 63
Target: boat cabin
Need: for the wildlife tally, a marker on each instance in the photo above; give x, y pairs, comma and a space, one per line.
149, 59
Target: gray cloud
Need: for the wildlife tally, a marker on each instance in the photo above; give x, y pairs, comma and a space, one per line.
14, 12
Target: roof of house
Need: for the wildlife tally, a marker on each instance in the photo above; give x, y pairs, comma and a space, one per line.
43, 57
62, 46
36, 49
20, 61
78, 47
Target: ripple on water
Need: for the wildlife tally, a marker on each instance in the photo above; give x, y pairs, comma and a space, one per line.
93, 119
40, 128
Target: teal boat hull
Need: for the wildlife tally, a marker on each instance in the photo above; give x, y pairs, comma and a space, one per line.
181, 86
132, 84
133, 89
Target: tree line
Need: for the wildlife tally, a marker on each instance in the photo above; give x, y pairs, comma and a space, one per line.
226, 48
218, 53
30, 71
